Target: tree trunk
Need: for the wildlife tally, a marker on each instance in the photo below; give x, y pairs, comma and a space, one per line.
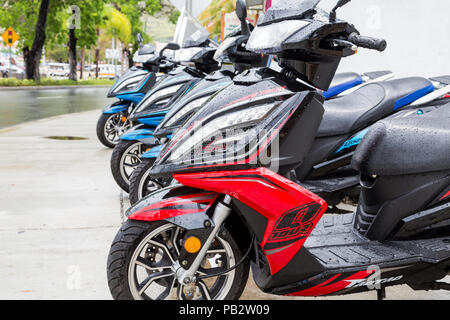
82, 58
33, 57
72, 55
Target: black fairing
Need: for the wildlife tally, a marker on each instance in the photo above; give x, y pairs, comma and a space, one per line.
153, 102
204, 60
204, 88
253, 88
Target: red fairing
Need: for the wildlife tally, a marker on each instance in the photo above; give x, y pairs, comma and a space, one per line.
291, 210
176, 206
334, 284
447, 96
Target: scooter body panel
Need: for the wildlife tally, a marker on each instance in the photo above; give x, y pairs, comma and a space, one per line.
290, 219
183, 206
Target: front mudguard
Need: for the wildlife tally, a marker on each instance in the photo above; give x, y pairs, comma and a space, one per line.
140, 133
183, 206
154, 152
118, 106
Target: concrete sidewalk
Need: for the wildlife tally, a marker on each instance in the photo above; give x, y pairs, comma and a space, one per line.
61, 209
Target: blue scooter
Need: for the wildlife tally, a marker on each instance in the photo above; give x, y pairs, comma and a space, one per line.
130, 88
157, 102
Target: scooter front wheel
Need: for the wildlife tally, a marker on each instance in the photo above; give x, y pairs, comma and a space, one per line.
142, 184
143, 261
110, 127
124, 159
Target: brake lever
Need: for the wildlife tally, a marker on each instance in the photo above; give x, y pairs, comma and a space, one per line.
343, 43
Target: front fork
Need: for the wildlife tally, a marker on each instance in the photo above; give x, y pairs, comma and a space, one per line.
221, 213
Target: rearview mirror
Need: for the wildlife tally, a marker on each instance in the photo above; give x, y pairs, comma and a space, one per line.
139, 39
241, 12
170, 46
339, 4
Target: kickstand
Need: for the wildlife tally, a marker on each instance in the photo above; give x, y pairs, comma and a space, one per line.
381, 294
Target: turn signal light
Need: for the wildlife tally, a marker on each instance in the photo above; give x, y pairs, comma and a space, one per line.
192, 244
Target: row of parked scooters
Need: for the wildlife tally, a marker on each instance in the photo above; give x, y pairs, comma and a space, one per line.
230, 163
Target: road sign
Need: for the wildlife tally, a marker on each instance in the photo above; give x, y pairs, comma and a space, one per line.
10, 36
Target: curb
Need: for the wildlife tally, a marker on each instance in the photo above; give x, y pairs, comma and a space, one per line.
52, 87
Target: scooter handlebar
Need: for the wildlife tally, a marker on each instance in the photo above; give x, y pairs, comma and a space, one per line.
368, 42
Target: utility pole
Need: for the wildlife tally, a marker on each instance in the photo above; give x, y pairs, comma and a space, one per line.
188, 5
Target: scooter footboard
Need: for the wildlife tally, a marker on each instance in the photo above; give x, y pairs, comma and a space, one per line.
282, 214
181, 205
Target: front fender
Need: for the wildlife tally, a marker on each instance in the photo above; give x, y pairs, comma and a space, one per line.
119, 106
154, 152
138, 134
181, 205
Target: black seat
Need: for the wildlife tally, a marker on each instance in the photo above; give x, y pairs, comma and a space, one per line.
370, 103
415, 144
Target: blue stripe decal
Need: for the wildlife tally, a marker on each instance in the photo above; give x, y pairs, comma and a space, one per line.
353, 141
413, 97
137, 134
153, 152
334, 91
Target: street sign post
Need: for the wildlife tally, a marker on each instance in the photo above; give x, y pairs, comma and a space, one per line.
10, 37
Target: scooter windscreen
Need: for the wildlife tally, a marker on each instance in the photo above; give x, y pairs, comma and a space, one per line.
192, 101
144, 54
234, 127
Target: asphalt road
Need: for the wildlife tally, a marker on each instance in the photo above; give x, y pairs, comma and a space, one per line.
17, 106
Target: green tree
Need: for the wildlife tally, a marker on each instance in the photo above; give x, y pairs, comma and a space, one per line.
29, 18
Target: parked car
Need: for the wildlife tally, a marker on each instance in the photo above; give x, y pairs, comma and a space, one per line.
58, 70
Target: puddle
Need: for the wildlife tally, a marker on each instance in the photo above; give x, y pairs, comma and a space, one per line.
65, 138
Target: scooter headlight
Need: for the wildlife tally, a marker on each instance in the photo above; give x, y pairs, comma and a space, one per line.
158, 95
188, 109
226, 136
129, 83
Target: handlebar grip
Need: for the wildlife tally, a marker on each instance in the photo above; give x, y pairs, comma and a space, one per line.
368, 42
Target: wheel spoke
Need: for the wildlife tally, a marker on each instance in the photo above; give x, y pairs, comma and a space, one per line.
164, 247
204, 290
146, 264
174, 240
212, 251
151, 278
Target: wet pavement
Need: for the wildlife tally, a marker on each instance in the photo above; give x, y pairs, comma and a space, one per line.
61, 209
17, 106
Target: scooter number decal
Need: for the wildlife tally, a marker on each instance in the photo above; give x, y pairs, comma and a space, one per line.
295, 223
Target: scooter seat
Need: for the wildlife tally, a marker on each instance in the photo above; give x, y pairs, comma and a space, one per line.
369, 104
410, 145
